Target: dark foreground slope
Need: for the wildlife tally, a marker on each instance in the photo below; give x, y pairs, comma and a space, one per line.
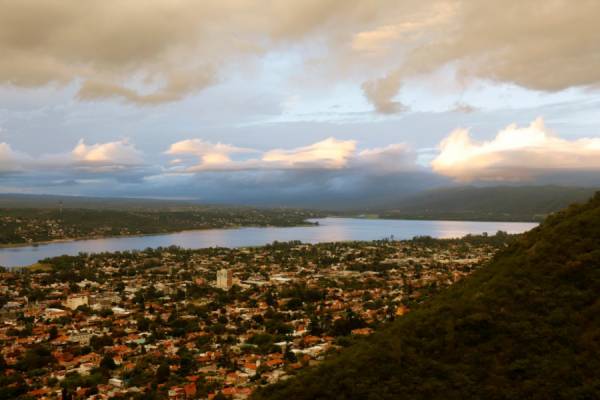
502, 203
525, 327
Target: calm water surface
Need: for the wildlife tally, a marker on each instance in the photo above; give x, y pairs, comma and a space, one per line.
329, 230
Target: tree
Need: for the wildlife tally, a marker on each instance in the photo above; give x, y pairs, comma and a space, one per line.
187, 364
108, 363
220, 396
53, 332
98, 342
35, 358
294, 304
143, 324
270, 299
162, 373
289, 355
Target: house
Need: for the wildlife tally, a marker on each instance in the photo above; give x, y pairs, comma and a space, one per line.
362, 331
53, 313
83, 338
74, 301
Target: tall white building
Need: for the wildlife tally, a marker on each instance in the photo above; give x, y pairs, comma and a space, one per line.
76, 300
224, 279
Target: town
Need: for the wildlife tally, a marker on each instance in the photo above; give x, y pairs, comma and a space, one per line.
211, 323
48, 223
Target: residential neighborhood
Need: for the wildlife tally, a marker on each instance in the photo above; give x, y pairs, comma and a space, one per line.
211, 323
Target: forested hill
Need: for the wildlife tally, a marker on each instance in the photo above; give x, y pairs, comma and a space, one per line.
506, 203
527, 326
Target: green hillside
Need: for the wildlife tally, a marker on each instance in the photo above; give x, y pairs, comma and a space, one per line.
527, 326
504, 203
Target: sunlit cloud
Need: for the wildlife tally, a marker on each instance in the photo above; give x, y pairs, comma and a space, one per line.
151, 52
112, 153
210, 156
518, 42
100, 158
375, 41
327, 154
515, 154
11, 160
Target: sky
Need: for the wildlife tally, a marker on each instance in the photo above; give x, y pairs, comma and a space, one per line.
296, 102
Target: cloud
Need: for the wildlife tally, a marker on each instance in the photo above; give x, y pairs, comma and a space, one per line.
329, 173
177, 86
464, 108
114, 155
396, 157
11, 160
327, 154
152, 51
168, 48
381, 92
540, 45
211, 156
109, 159
350, 187
515, 154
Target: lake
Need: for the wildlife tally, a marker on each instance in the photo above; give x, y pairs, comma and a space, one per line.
328, 230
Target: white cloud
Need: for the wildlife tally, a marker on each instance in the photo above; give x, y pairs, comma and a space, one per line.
110, 157
515, 154
11, 160
211, 156
327, 154
112, 153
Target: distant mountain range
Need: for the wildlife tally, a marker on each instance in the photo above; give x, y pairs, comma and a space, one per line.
17, 200
498, 203
526, 326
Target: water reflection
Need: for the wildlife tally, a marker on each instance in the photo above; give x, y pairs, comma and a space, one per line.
329, 230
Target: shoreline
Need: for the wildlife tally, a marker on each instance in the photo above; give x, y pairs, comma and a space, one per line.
306, 224
85, 238
24, 255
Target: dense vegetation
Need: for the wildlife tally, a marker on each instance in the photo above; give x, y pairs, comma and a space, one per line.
500, 203
28, 225
527, 326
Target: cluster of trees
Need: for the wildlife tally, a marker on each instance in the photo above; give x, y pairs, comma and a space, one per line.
525, 326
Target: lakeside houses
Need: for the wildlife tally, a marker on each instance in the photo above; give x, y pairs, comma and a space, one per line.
34, 225
185, 324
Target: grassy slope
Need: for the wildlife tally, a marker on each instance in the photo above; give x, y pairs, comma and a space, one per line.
525, 327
